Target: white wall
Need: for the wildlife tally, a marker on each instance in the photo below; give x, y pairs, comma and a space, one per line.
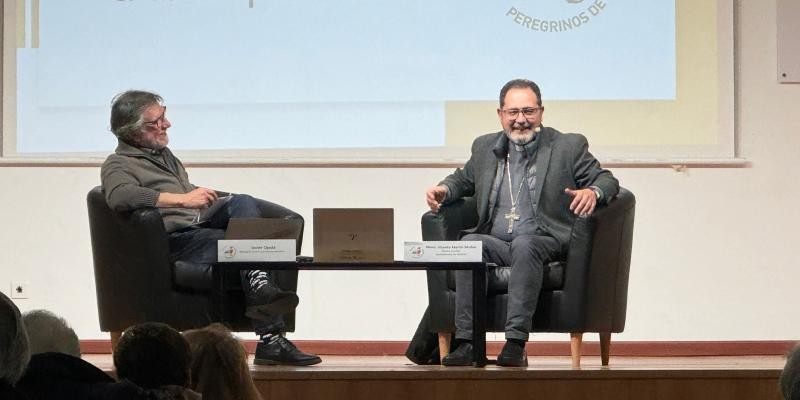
714, 249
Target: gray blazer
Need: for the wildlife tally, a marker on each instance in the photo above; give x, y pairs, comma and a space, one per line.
562, 161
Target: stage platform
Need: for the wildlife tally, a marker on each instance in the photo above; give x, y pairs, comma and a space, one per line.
547, 377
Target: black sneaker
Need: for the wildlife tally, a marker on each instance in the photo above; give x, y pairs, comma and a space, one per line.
269, 300
277, 350
461, 356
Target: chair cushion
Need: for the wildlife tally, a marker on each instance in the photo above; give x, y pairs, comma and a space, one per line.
197, 277
188, 275
498, 278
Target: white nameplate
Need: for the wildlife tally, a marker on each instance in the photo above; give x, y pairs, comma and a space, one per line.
444, 251
256, 250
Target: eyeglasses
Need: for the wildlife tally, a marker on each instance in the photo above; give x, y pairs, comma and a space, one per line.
528, 112
158, 122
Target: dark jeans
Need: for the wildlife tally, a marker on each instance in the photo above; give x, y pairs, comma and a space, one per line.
526, 254
199, 244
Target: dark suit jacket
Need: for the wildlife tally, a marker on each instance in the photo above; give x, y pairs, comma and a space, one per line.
64, 377
562, 161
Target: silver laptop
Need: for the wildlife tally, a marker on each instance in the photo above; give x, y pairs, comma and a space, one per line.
353, 235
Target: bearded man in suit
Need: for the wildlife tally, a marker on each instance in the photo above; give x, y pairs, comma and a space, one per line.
530, 183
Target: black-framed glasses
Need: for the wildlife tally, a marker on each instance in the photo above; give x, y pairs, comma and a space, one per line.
158, 122
528, 112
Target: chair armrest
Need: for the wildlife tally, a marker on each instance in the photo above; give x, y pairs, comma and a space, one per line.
445, 225
450, 220
131, 260
598, 265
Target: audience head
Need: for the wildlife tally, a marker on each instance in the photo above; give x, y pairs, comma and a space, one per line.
153, 355
48, 332
14, 351
790, 377
219, 365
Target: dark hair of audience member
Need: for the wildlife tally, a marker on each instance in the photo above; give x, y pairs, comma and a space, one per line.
219, 365
790, 377
153, 355
49, 333
14, 351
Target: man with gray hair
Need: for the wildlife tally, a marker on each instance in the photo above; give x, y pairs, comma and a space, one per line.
49, 333
56, 370
143, 172
14, 352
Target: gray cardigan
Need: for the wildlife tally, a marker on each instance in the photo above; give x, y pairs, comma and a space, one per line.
133, 178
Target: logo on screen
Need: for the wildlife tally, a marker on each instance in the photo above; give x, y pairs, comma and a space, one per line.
545, 16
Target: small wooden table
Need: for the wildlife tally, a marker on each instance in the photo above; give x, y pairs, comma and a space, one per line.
478, 285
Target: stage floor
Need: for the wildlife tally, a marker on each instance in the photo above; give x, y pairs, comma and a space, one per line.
394, 377
548, 363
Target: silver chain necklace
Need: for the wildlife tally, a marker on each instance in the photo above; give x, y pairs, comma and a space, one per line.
512, 214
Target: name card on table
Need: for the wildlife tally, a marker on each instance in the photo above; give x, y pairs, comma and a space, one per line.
444, 251
256, 250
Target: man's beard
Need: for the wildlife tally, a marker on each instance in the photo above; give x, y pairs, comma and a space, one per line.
524, 137
151, 143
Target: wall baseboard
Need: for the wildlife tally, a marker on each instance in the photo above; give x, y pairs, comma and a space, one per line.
626, 348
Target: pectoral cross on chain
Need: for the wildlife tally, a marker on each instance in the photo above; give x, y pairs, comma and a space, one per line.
512, 216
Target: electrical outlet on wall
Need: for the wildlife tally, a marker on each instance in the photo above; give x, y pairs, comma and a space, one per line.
20, 289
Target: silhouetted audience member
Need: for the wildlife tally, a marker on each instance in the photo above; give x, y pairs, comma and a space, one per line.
156, 358
790, 377
48, 333
56, 370
14, 352
219, 365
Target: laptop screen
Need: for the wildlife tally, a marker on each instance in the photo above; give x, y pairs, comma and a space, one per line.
353, 235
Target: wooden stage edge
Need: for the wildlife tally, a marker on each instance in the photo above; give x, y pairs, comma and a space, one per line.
546, 377
549, 348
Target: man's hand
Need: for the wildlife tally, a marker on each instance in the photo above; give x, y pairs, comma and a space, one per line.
434, 196
198, 198
583, 201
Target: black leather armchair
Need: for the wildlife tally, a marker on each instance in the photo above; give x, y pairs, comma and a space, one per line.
586, 292
136, 282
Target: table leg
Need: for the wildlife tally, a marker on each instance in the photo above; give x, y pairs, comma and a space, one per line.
218, 293
479, 315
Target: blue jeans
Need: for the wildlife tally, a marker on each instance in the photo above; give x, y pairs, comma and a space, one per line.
199, 244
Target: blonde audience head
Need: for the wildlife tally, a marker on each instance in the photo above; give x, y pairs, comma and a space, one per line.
219, 366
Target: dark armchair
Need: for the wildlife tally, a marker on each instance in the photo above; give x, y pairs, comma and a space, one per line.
136, 282
586, 292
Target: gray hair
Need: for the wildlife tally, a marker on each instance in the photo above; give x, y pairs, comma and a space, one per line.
14, 352
48, 332
520, 84
127, 113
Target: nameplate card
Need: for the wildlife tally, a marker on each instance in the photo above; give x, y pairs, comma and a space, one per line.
444, 251
256, 250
